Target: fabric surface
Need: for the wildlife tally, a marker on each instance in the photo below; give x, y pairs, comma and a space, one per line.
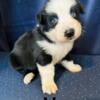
80, 86
3, 42
19, 16
3, 39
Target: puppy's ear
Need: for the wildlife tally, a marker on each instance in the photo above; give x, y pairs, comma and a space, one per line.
41, 17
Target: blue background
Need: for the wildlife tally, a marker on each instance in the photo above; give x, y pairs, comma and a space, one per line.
19, 16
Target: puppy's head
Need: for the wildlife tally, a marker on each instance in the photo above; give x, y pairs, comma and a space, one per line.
60, 20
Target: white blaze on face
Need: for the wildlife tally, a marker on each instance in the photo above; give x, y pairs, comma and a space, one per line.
65, 20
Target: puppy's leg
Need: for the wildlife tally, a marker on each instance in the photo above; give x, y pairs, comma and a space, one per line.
30, 75
47, 78
28, 78
18, 66
47, 71
69, 65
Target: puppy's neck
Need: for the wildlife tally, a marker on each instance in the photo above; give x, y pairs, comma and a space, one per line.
40, 31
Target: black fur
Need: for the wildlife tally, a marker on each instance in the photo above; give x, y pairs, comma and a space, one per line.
26, 52
47, 21
44, 59
68, 57
80, 6
76, 10
40, 30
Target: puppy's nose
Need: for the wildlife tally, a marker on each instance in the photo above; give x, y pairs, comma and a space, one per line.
69, 33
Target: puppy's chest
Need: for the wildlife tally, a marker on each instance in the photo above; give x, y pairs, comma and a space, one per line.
58, 50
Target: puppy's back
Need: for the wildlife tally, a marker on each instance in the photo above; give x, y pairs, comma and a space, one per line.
21, 56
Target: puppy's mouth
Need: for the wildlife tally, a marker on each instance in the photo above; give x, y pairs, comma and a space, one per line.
64, 40
71, 38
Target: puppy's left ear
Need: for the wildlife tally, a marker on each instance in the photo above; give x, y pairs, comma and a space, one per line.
39, 17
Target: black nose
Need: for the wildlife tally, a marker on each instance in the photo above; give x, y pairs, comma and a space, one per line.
69, 33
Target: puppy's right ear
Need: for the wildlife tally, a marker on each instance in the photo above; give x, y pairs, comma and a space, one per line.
41, 17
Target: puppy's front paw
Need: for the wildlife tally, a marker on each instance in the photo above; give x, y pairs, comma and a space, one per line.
75, 68
28, 78
49, 88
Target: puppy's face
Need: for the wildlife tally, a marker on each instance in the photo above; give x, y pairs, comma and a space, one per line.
60, 20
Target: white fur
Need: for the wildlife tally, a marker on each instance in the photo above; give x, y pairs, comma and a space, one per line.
28, 77
65, 20
47, 78
69, 65
61, 46
57, 50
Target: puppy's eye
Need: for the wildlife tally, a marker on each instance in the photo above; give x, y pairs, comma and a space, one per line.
52, 20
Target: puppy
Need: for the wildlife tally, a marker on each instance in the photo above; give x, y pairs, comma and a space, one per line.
49, 43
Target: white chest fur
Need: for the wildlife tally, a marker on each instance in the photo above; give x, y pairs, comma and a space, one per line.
57, 50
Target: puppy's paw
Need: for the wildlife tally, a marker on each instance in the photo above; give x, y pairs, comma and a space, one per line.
28, 78
75, 68
49, 88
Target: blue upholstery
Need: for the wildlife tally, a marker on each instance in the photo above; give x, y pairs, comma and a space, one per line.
81, 86
3, 39
18, 16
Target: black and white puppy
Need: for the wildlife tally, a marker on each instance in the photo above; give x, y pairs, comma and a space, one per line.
49, 43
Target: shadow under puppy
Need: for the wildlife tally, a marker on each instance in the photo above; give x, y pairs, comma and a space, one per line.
49, 43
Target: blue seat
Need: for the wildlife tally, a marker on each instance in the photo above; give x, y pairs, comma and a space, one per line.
19, 16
